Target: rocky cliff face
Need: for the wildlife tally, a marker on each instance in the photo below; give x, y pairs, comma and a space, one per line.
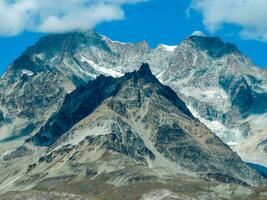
30, 92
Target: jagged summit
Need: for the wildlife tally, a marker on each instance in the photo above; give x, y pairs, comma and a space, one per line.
145, 71
65, 43
145, 68
214, 46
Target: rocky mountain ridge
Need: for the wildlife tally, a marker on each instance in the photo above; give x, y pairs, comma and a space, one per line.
81, 102
219, 85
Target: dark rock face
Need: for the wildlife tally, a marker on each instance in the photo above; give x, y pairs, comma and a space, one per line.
259, 103
169, 94
2, 118
18, 153
226, 178
20, 133
241, 96
178, 146
240, 92
76, 106
48, 158
214, 46
261, 169
263, 144
81, 102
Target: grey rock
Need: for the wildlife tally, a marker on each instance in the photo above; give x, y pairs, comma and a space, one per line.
18, 153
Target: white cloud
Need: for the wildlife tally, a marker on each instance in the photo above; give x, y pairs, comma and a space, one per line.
53, 16
249, 15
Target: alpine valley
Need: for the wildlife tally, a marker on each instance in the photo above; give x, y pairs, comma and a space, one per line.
85, 117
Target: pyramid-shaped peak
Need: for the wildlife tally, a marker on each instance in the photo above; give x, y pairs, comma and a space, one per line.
145, 68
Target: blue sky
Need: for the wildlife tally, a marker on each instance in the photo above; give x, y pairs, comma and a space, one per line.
155, 21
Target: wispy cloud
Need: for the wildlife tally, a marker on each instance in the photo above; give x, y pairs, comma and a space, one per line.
249, 15
53, 16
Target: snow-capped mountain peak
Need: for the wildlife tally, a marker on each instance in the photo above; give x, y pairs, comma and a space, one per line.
198, 33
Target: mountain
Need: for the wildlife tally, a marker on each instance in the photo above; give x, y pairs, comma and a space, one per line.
47, 83
122, 138
219, 85
86, 98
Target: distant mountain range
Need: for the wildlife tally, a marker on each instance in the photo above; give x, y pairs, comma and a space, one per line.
75, 109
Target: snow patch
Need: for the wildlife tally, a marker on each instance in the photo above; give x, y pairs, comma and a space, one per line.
232, 137
215, 93
208, 94
112, 41
101, 70
232, 144
167, 47
198, 33
195, 60
159, 75
117, 42
27, 72
54, 58
216, 126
